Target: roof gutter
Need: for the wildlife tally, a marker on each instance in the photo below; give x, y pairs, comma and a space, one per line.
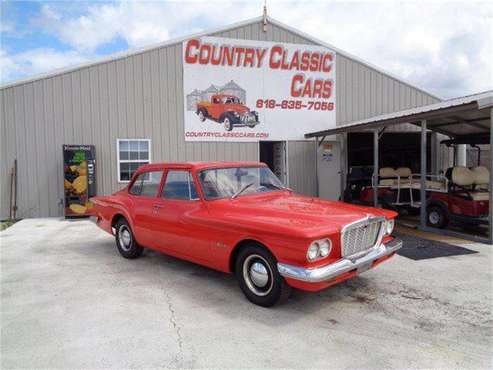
410, 118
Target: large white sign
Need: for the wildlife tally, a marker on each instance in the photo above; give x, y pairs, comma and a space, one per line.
244, 90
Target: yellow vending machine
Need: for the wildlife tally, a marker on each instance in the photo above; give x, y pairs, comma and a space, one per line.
79, 167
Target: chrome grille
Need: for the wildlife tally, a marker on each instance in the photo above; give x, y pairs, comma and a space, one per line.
360, 236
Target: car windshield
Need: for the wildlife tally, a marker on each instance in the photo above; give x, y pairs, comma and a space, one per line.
236, 181
231, 100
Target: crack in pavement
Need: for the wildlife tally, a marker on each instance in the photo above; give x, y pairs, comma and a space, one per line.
175, 325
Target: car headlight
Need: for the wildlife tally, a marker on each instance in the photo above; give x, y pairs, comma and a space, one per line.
325, 247
236, 114
313, 250
389, 226
318, 249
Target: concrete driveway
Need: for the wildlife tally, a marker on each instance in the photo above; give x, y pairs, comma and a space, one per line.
70, 301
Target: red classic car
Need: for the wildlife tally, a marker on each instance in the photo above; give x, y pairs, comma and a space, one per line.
228, 110
239, 218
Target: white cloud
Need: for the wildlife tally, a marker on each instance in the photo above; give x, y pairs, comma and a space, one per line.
36, 61
138, 23
443, 47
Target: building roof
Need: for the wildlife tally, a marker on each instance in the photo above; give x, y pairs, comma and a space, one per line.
232, 85
212, 88
270, 20
466, 115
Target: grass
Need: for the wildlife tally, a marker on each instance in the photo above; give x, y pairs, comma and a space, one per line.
6, 223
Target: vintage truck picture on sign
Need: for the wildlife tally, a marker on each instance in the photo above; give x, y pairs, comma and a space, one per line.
244, 90
223, 104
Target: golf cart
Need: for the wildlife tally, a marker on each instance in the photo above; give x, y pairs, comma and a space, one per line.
459, 195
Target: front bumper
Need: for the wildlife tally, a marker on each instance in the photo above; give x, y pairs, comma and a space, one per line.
248, 119
360, 263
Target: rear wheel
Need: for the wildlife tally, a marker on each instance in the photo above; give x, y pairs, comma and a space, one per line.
201, 115
436, 217
257, 275
228, 126
125, 241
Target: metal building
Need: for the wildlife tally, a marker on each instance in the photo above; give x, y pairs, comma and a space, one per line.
139, 95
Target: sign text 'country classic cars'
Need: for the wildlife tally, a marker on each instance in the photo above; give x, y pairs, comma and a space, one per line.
243, 90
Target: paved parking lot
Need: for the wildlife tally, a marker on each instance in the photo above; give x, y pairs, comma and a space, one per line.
69, 300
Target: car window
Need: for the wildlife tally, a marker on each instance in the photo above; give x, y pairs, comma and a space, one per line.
225, 182
147, 184
179, 185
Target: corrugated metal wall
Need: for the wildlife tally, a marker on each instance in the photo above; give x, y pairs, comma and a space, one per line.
363, 92
141, 96
302, 166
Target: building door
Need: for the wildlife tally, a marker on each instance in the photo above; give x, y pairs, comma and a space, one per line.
329, 170
273, 154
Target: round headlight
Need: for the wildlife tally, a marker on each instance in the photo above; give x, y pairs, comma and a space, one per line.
390, 226
313, 251
325, 247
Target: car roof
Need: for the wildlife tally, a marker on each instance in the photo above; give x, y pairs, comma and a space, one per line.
225, 95
197, 166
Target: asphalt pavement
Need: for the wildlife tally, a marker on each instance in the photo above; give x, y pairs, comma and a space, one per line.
68, 300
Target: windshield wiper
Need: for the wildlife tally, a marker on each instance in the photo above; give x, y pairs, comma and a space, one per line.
241, 190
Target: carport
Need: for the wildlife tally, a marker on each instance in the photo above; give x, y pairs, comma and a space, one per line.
456, 118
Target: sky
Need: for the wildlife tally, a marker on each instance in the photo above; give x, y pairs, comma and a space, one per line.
443, 47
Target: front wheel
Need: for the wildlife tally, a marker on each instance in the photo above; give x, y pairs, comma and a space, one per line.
228, 126
436, 217
125, 241
257, 275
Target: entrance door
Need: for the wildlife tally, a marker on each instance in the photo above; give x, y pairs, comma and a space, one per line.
329, 170
273, 154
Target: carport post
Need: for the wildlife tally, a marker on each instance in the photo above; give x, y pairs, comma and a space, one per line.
422, 194
375, 168
317, 190
490, 185
435, 153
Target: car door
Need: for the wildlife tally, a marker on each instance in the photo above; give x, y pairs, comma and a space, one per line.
144, 192
182, 214
216, 108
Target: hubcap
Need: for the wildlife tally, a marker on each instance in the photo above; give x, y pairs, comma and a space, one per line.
434, 217
257, 275
227, 124
125, 238
201, 116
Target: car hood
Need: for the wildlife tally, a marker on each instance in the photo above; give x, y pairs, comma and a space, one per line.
237, 108
286, 212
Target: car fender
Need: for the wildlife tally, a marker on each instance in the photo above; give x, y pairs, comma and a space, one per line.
203, 109
231, 114
109, 207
